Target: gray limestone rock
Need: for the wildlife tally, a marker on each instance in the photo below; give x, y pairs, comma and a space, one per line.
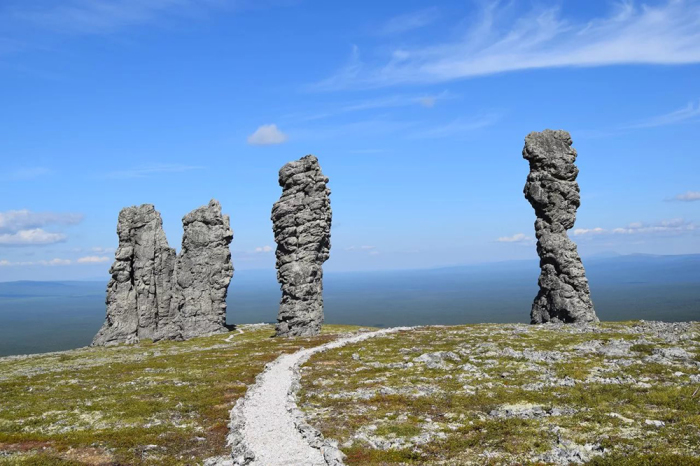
301, 221
139, 292
552, 191
154, 294
203, 272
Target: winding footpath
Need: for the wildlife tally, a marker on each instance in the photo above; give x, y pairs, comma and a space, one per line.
267, 427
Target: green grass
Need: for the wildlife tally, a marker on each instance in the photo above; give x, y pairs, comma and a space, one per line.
166, 403
460, 409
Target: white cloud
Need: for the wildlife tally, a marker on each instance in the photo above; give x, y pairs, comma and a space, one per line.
56, 262
92, 259
49, 263
673, 226
263, 249
504, 41
148, 170
664, 227
688, 196
516, 238
35, 236
410, 21
101, 250
16, 220
267, 135
690, 112
589, 231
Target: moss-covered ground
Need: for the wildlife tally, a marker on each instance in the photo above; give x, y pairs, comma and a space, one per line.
617, 393
165, 403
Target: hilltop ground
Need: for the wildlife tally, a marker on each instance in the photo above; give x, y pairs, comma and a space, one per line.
166, 403
618, 393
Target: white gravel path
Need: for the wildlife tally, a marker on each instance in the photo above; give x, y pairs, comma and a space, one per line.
269, 418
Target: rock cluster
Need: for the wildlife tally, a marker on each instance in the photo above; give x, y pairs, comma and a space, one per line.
301, 221
156, 294
552, 191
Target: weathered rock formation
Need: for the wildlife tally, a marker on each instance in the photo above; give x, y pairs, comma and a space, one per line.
302, 226
203, 272
552, 190
140, 288
154, 294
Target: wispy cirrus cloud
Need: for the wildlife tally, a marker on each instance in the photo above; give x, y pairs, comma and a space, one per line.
358, 129
458, 127
688, 196
99, 17
393, 101
152, 170
409, 21
663, 34
689, 113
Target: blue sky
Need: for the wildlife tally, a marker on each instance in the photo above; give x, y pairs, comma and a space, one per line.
417, 114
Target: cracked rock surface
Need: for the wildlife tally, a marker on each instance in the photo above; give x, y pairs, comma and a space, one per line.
156, 294
203, 272
139, 292
553, 192
301, 221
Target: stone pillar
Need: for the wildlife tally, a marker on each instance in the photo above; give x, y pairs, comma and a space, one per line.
203, 272
139, 292
301, 221
552, 191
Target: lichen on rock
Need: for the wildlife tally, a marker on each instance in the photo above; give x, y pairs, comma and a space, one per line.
301, 221
553, 192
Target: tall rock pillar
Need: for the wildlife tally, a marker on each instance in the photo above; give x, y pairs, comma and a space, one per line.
139, 292
552, 191
301, 221
203, 272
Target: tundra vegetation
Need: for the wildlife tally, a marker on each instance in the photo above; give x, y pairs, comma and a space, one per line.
152, 403
616, 393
